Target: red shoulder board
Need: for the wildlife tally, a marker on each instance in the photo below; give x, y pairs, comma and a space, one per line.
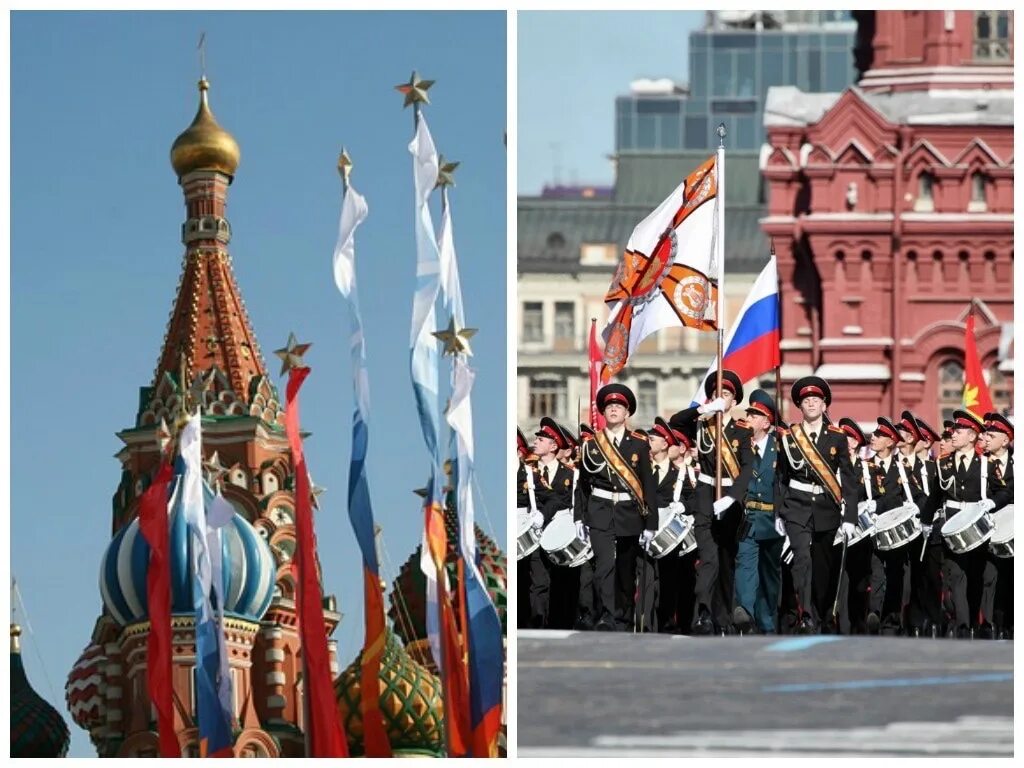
782, 430
587, 436
835, 429
639, 435
742, 423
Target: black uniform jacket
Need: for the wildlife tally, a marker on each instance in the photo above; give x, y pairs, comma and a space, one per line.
737, 433
626, 517
832, 446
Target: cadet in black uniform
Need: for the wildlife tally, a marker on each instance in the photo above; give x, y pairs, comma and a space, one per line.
716, 521
678, 571
586, 616
971, 584
661, 440
565, 581
553, 491
813, 454
925, 613
615, 505
855, 592
890, 568
998, 438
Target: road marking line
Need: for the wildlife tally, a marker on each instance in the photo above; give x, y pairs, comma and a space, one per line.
801, 643
904, 682
545, 634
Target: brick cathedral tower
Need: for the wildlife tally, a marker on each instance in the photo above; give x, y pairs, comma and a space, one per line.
211, 360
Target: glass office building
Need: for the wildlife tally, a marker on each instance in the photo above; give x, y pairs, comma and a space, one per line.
731, 70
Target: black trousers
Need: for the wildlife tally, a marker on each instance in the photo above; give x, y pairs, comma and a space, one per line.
1003, 612
677, 578
564, 597
648, 580
615, 569
815, 566
972, 584
858, 586
925, 609
587, 603
540, 587
889, 571
603, 543
725, 533
716, 557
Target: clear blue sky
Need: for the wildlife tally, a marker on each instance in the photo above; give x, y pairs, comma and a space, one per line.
572, 65
96, 101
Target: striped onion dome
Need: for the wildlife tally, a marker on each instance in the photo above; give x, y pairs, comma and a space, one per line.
85, 688
410, 703
248, 571
37, 729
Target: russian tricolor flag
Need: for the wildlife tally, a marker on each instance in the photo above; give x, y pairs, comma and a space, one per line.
752, 345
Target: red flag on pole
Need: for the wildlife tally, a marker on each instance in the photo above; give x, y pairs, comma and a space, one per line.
326, 734
596, 363
154, 528
976, 398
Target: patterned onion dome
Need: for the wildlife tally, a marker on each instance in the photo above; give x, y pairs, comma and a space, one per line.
410, 702
408, 594
248, 571
37, 729
85, 688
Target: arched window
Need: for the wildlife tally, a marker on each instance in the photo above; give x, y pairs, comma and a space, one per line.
925, 185
999, 389
978, 201
951, 388
992, 35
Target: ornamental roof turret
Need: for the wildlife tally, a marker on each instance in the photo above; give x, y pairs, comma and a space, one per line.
37, 729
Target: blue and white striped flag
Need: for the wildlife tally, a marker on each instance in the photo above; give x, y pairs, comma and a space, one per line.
213, 684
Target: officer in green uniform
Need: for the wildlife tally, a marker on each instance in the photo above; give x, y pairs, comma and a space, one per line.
758, 566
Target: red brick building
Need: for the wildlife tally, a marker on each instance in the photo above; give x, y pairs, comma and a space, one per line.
891, 208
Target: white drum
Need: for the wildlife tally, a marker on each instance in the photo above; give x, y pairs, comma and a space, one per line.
897, 527
865, 527
674, 529
527, 538
1001, 542
968, 529
562, 545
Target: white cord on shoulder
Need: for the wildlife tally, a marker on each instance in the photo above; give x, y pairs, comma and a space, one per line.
796, 464
529, 489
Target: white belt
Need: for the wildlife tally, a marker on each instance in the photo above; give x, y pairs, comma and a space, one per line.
955, 504
809, 487
614, 496
726, 481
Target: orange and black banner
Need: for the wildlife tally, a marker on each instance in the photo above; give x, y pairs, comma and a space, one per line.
817, 463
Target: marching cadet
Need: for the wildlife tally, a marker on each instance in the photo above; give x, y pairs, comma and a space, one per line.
998, 437
962, 475
661, 441
889, 568
523, 502
814, 455
553, 492
716, 521
563, 598
856, 591
946, 439
758, 567
616, 505
926, 563
586, 616
678, 570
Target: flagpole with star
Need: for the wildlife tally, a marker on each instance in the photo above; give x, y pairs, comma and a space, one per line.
324, 733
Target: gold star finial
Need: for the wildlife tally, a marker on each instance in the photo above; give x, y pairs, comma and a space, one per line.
215, 468
415, 90
456, 340
291, 355
345, 165
445, 173
314, 492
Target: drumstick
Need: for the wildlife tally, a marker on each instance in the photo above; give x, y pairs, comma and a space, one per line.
839, 589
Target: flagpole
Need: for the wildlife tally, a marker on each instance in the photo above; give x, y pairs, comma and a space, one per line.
720, 258
778, 368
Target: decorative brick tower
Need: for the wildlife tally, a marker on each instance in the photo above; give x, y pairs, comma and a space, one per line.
209, 355
891, 208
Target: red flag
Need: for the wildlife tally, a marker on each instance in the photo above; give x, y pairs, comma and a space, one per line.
326, 733
976, 397
452, 666
596, 363
154, 529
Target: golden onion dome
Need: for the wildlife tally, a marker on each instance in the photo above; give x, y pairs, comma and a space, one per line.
204, 145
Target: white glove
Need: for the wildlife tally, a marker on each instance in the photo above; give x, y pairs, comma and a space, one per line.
780, 526
715, 406
926, 530
645, 538
581, 530
677, 508
537, 519
847, 530
868, 506
721, 505
987, 504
